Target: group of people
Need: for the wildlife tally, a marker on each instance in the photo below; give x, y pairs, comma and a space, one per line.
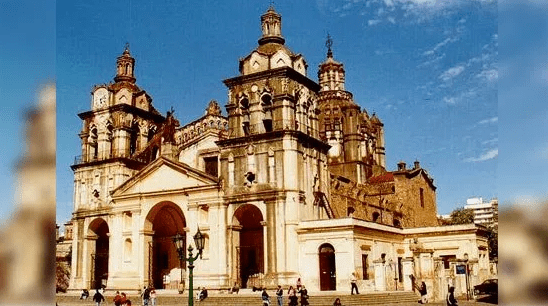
291, 293
450, 298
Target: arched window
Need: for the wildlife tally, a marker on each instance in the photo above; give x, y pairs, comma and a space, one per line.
397, 222
266, 103
244, 104
133, 139
93, 146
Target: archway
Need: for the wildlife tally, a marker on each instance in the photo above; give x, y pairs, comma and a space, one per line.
249, 254
98, 230
164, 220
328, 278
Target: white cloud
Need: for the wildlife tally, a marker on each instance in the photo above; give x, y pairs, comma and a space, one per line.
493, 153
392, 20
373, 22
450, 100
489, 120
432, 61
451, 73
490, 141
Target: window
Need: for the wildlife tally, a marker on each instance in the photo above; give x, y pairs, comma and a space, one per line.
421, 192
397, 222
267, 125
365, 266
211, 165
350, 211
447, 259
376, 216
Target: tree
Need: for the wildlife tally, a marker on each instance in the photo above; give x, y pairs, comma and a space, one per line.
461, 216
493, 241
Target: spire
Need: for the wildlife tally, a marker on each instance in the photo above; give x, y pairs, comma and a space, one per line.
328, 44
125, 66
271, 23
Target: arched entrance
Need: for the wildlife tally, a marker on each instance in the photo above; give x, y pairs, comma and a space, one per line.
328, 278
165, 220
98, 230
249, 246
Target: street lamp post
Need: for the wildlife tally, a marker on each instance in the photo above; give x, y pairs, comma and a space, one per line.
199, 240
466, 275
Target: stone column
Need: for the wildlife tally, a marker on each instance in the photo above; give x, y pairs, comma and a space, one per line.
440, 286
408, 271
271, 271
147, 237
380, 275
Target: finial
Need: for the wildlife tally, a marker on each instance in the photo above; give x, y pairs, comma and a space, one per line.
271, 7
328, 44
126, 48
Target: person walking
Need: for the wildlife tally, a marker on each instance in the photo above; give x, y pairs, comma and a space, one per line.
145, 295
353, 284
450, 299
423, 293
266, 298
98, 297
280, 295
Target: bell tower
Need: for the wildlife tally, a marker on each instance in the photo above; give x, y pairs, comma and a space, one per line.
273, 158
357, 141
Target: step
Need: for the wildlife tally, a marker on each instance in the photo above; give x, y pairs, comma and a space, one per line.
253, 299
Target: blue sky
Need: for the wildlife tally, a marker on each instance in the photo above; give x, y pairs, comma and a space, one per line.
429, 69
27, 60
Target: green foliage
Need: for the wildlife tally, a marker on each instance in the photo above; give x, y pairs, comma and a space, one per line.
461, 216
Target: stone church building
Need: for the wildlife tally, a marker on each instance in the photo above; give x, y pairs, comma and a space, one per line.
292, 183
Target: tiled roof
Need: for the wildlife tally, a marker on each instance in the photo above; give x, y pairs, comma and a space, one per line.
387, 177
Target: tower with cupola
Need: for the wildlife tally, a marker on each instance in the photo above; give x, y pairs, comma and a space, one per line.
356, 139
119, 124
273, 161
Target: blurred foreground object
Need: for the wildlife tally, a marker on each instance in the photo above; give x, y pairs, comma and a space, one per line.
27, 243
523, 251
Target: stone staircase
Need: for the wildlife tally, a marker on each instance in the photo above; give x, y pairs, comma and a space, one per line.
254, 299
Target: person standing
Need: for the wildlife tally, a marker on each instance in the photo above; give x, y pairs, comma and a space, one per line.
280, 295
266, 298
353, 284
98, 298
337, 302
117, 299
450, 299
123, 300
423, 293
299, 284
292, 296
153, 296
304, 296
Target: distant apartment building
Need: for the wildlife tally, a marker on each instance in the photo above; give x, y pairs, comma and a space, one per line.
485, 213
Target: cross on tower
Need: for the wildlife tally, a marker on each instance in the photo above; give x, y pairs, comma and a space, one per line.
328, 44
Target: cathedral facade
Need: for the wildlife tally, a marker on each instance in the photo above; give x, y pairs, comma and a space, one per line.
292, 183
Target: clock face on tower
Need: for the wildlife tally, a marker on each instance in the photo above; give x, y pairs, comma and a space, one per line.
100, 98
